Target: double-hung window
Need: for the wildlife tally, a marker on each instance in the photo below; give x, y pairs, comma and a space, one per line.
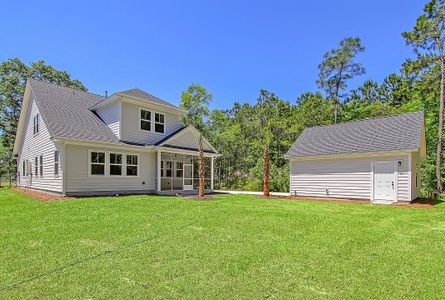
159, 123
97, 163
36, 166
35, 121
24, 168
115, 164
145, 121
132, 165
56, 163
41, 165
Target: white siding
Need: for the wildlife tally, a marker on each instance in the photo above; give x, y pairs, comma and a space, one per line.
343, 177
79, 181
415, 167
34, 146
111, 116
130, 124
187, 139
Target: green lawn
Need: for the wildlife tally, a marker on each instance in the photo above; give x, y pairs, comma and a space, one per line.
231, 247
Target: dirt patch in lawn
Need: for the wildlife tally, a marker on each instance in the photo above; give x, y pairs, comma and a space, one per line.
41, 196
418, 203
196, 197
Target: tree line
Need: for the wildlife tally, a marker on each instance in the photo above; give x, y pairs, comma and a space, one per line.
254, 137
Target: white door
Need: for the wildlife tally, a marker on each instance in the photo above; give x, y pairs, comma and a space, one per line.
188, 177
384, 181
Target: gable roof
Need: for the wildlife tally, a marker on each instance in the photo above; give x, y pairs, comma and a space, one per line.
139, 96
394, 133
142, 95
66, 113
169, 140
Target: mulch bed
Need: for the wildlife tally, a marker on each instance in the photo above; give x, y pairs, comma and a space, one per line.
418, 203
40, 196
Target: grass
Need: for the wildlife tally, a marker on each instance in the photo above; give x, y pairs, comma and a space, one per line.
6, 184
235, 246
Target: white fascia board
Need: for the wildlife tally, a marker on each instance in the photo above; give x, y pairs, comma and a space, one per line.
70, 141
382, 153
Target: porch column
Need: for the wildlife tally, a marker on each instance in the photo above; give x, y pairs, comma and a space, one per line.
158, 171
211, 173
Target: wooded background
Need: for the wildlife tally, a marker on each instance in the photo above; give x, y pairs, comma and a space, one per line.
241, 132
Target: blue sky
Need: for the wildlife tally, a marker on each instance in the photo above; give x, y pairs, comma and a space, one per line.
233, 48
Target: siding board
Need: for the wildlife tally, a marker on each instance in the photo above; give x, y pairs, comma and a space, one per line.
111, 116
34, 146
78, 180
343, 178
130, 124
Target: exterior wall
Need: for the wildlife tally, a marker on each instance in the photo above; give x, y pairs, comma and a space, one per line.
187, 139
111, 116
78, 180
34, 146
415, 169
343, 177
131, 119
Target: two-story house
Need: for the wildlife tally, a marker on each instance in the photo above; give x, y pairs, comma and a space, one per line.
78, 143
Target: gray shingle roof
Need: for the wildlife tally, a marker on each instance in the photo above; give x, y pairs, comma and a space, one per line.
399, 132
142, 95
66, 113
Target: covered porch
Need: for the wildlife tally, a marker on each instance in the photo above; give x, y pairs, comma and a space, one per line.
177, 172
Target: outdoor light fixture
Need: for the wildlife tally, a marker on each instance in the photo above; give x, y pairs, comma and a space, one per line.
400, 163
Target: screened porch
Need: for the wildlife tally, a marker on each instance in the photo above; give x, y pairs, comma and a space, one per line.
180, 172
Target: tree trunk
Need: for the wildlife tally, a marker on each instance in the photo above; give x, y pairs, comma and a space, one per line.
266, 169
440, 129
201, 169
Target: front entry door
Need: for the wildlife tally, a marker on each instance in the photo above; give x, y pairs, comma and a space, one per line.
188, 177
384, 181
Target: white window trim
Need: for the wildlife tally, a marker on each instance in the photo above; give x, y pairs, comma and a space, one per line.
121, 164
152, 121
36, 124
56, 175
107, 164
41, 165
137, 166
139, 119
36, 166
90, 163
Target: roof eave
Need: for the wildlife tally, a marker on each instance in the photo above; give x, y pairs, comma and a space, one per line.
345, 155
144, 101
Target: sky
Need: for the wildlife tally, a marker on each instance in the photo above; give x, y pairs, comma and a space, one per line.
233, 48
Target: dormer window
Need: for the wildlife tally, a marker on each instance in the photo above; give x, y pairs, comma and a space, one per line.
145, 122
159, 123
35, 121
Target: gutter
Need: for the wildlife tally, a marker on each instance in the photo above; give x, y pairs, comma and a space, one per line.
347, 155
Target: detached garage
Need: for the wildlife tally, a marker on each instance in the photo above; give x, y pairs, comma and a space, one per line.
374, 159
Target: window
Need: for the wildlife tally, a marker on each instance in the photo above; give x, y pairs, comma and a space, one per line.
97, 160
115, 164
132, 165
23, 168
145, 120
56, 163
35, 120
41, 165
179, 169
36, 166
159, 122
416, 175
